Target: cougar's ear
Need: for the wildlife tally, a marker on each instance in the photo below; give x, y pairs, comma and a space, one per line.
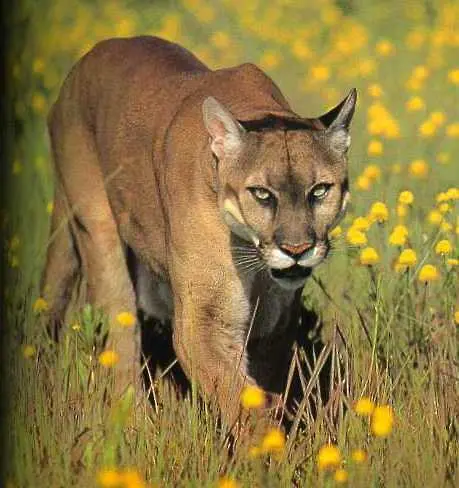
337, 122
226, 133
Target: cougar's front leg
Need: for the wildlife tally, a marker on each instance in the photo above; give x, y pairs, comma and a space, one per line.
211, 349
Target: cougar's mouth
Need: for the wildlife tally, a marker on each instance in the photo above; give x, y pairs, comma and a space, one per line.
295, 272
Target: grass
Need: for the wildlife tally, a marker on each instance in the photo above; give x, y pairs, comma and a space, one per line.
389, 336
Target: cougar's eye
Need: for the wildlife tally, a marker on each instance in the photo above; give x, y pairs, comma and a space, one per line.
263, 195
319, 192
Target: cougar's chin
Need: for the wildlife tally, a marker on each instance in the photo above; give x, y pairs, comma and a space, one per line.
290, 278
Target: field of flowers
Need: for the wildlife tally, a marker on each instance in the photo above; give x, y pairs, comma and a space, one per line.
388, 296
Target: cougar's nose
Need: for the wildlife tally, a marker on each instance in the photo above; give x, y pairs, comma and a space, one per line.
296, 250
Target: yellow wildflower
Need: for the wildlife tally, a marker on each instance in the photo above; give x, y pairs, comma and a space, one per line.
391, 129
126, 319
456, 317
270, 60
329, 457
438, 118
361, 223
382, 420
171, 26
341, 476
38, 103
109, 478
452, 130
444, 208
418, 168
359, 456
406, 197
227, 482
28, 351
356, 237
363, 182
335, 233
441, 197
407, 258
452, 262
428, 273
366, 66
364, 407
435, 217
108, 358
379, 212
452, 194
320, 73
130, 478
220, 40
372, 172
50, 207
369, 256
40, 305
443, 247
414, 104
420, 72
375, 90
76, 326
453, 76
400, 230
427, 128
375, 148
252, 397
446, 226
384, 48
273, 441
397, 238
301, 50
38, 66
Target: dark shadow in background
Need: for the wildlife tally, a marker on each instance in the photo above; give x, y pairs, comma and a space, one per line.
159, 355
6, 146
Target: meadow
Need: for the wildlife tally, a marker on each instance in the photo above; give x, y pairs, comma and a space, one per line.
388, 295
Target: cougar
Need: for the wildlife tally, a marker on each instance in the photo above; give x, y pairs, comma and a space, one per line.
221, 192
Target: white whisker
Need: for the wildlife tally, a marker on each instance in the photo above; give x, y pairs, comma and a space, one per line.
244, 251
247, 265
244, 259
250, 266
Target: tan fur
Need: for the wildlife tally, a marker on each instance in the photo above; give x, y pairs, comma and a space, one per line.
132, 134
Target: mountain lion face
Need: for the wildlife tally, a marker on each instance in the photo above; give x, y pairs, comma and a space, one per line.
281, 191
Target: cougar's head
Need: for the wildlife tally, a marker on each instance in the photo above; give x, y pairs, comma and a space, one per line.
281, 190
